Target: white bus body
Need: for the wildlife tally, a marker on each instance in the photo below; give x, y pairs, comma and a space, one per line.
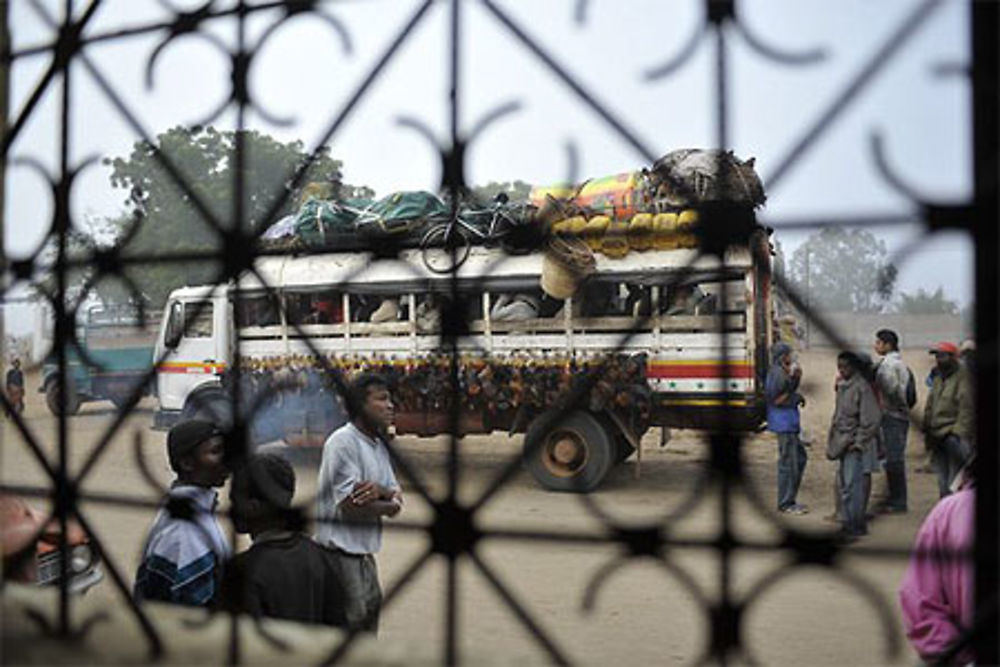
697, 370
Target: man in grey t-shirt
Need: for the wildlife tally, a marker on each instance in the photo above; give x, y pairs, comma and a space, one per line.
891, 377
357, 487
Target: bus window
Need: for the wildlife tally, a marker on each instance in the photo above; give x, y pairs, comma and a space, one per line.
198, 319
257, 311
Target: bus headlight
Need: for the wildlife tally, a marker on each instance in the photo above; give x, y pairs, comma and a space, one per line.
80, 558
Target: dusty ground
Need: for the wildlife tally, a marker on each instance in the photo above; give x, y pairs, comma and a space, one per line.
641, 615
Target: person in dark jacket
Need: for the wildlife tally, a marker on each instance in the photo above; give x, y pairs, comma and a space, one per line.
783, 402
284, 574
15, 386
853, 438
949, 423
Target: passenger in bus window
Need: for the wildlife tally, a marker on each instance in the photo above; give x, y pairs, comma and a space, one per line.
428, 314
387, 311
689, 299
638, 303
329, 307
514, 307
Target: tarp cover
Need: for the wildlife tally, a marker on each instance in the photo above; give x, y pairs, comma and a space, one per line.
319, 223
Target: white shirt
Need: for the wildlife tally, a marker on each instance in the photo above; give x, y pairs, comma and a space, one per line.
892, 377
350, 456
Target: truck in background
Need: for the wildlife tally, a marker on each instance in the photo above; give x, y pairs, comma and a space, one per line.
117, 354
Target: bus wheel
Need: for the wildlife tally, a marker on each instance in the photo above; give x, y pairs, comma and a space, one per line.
574, 454
52, 398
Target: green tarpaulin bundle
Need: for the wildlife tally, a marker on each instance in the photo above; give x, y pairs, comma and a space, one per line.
319, 223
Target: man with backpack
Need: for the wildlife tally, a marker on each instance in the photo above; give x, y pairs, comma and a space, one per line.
897, 390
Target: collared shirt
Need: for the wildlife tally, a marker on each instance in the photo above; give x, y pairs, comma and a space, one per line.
349, 457
183, 554
937, 591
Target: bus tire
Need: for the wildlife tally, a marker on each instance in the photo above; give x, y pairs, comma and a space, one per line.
574, 454
210, 406
52, 397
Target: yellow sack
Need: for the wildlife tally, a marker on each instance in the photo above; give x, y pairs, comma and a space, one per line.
665, 231
595, 230
686, 221
576, 225
640, 231
615, 242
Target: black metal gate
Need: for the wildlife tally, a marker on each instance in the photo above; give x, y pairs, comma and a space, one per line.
454, 532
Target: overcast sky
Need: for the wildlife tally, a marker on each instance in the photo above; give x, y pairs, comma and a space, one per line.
306, 72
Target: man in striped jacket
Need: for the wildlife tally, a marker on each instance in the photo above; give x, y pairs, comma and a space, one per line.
182, 559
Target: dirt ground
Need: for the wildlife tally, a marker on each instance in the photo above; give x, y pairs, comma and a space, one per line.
643, 613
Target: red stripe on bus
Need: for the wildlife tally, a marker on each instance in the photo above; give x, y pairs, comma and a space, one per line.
192, 369
677, 371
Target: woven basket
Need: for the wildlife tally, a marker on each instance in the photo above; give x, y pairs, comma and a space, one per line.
566, 264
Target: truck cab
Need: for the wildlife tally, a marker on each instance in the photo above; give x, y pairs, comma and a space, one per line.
193, 350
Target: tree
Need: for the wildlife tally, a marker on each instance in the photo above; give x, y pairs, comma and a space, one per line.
843, 271
168, 220
926, 303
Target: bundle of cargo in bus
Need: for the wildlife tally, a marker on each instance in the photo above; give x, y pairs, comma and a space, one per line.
651, 208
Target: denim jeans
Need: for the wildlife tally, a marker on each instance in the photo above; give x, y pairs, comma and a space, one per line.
894, 432
791, 465
852, 492
949, 455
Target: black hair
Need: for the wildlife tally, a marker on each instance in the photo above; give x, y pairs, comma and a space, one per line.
861, 363
269, 478
360, 387
888, 336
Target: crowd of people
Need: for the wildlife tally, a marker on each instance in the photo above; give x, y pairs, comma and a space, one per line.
331, 577
869, 425
328, 578
867, 435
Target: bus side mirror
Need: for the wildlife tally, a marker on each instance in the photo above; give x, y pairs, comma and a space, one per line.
174, 330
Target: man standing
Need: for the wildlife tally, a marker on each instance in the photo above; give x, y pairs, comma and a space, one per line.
853, 439
892, 378
15, 386
185, 550
357, 487
284, 574
937, 594
948, 416
783, 401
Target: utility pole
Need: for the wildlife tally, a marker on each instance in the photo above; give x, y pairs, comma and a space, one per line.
808, 312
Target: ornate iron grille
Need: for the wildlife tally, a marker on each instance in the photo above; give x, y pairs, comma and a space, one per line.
454, 533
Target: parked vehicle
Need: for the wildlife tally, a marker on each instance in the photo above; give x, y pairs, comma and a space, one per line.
30, 547
117, 355
654, 352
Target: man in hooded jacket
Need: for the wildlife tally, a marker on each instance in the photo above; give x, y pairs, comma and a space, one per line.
783, 402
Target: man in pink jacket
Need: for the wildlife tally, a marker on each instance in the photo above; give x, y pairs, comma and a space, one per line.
937, 592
